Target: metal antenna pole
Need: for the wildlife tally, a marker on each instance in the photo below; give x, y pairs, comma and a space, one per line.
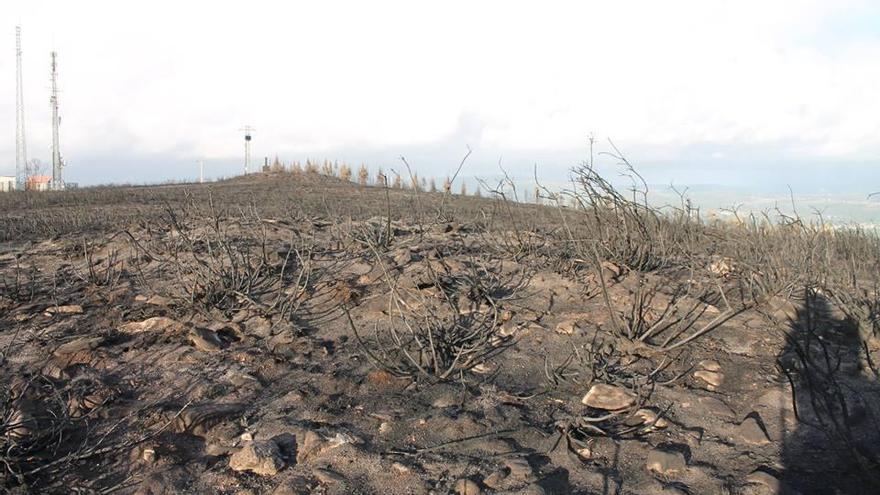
20, 142
57, 165
248, 131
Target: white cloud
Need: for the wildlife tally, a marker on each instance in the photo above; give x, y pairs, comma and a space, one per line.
181, 77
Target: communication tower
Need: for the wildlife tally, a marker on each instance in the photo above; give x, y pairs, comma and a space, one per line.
248, 136
20, 142
57, 164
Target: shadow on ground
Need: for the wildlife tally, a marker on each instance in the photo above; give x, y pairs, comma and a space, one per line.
835, 446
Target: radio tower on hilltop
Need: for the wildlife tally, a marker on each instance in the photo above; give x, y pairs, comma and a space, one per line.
20, 143
248, 130
57, 164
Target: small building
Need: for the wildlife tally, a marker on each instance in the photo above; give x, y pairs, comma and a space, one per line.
39, 183
7, 183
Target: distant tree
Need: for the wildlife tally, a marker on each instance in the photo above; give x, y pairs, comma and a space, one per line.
463, 188
311, 167
414, 181
447, 186
345, 172
432, 185
381, 178
363, 175
398, 182
477, 193
276, 165
295, 168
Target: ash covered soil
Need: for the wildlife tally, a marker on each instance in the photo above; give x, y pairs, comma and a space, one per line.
206, 345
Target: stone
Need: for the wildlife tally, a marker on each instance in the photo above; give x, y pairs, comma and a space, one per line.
495, 479
647, 417
155, 324
466, 486
584, 453
205, 340
709, 365
327, 476
750, 431
70, 309
508, 329
761, 477
612, 271
567, 327
309, 446
83, 344
713, 378
154, 300
78, 351
666, 463
608, 397
260, 457
519, 467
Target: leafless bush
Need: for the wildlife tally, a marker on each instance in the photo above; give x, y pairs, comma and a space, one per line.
601, 360
515, 235
227, 264
99, 272
439, 337
23, 285
47, 426
632, 233
656, 322
862, 306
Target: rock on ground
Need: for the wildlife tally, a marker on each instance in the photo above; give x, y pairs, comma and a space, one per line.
259, 457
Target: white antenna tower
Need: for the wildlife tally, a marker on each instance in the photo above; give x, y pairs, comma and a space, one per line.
20, 142
57, 165
248, 130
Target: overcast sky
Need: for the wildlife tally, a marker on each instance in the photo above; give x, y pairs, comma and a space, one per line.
694, 91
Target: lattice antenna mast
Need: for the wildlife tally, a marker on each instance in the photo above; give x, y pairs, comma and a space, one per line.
248, 136
20, 141
57, 164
